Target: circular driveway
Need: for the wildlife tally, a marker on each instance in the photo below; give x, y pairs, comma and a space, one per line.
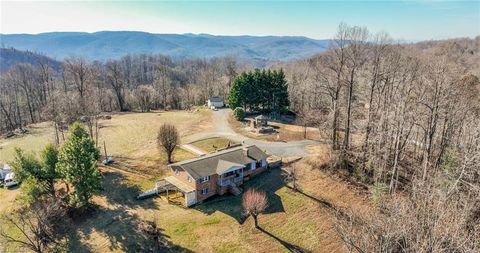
223, 129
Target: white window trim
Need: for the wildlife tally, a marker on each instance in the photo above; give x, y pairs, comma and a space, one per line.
204, 179
205, 191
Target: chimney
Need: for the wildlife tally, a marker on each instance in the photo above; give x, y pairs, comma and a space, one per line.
245, 151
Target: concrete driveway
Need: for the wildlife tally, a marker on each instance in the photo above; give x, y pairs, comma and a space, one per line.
223, 129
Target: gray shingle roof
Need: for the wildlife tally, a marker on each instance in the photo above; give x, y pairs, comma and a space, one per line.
215, 99
224, 166
207, 165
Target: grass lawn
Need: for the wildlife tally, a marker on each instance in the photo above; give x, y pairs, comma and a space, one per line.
217, 225
212, 144
39, 135
129, 137
294, 220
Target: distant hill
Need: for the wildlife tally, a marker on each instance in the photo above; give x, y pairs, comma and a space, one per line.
12, 56
108, 45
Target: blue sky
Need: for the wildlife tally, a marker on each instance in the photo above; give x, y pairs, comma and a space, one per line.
404, 20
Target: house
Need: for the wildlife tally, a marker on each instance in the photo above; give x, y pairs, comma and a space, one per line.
216, 102
214, 174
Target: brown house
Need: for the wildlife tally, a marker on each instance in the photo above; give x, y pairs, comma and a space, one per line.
216, 173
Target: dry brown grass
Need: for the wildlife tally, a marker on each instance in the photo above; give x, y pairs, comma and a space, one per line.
210, 145
129, 137
285, 132
296, 219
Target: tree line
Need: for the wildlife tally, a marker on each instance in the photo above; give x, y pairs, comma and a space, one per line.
260, 90
403, 120
36, 93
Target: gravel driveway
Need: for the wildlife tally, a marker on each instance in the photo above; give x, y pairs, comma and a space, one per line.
223, 129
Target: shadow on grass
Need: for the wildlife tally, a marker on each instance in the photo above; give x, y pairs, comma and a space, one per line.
124, 232
269, 182
337, 211
118, 191
289, 246
123, 229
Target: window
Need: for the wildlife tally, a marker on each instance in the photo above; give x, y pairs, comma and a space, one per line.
177, 172
205, 191
189, 178
204, 179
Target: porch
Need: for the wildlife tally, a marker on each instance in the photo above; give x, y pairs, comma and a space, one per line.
231, 177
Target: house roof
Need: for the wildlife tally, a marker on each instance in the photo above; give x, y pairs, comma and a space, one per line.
261, 117
218, 162
183, 187
216, 99
225, 166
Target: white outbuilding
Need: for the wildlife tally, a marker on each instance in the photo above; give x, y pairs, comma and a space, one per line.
215, 102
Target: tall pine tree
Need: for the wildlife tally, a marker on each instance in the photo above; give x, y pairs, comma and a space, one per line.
78, 165
260, 90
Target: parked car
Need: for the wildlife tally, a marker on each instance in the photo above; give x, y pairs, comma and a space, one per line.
4, 170
10, 180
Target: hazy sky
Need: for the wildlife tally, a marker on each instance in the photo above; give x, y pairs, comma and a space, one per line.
407, 20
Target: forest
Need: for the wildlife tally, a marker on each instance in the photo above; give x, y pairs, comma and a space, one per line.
403, 120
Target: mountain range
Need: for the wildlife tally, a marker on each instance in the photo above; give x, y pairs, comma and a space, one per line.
115, 44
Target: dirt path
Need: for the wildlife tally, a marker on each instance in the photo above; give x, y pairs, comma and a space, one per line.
223, 129
193, 149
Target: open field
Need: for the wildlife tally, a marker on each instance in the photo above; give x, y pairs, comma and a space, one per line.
36, 139
129, 137
212, 144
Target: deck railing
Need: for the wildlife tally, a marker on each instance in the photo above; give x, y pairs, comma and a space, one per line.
225, 182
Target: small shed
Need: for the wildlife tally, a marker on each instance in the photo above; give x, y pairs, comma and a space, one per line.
261, 121
216, 102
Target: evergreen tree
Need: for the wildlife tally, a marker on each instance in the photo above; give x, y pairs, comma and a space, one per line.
77, 162
260, 90
38, 176
49, 160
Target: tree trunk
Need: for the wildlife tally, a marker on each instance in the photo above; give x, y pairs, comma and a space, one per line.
334, 125
255, 221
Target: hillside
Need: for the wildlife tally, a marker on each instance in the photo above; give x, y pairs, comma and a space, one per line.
113, 44
12, 56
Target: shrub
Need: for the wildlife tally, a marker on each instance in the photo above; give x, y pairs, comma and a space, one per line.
239, 113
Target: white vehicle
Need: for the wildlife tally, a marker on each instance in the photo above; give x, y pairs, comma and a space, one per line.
10, 180
4, 170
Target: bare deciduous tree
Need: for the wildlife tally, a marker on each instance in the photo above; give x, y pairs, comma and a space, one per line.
144, 97
254, 202
168, 139
37, 228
